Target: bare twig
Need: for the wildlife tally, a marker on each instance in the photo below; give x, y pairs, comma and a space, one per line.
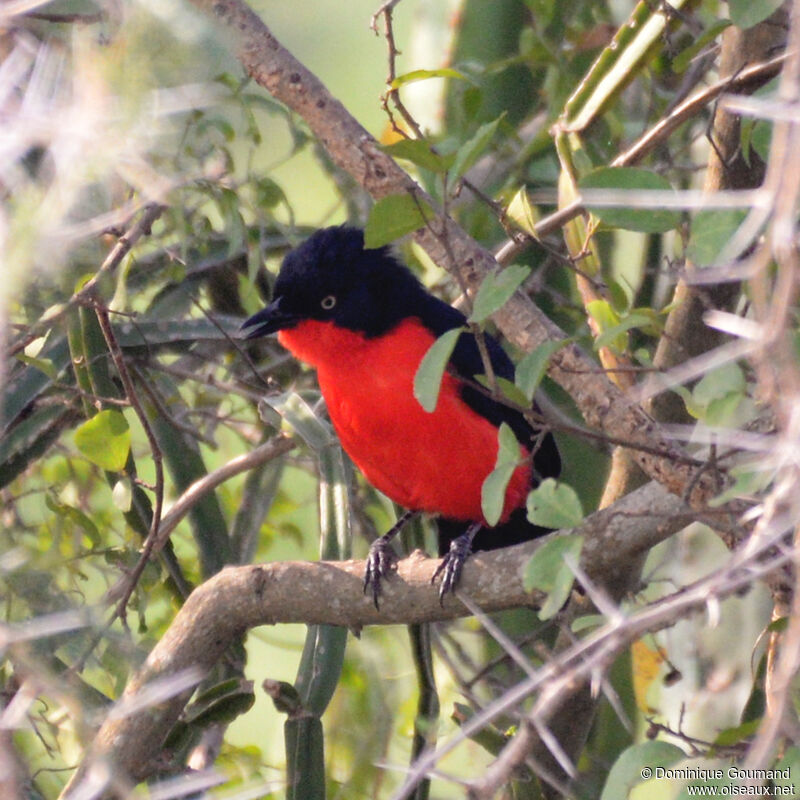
155, 451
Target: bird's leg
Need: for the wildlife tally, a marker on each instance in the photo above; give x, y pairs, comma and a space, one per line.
454, 560
381, 558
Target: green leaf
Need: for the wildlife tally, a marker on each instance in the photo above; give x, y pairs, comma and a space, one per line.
722, 411
105, 440
428, 379
509, 390
746, 13
718, 383
471, 150
495, 290
609, 335
712, 229
761, 138
77, 517
419, 152
587, 622
732, 736
604, 315
493, 490
548, 572
532, 368
395, 216
632, 179
45, 365
686, 56
426, 74
749, 479
523, 212
628, 770
554, 505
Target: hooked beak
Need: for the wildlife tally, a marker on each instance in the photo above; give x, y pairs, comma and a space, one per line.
269, 320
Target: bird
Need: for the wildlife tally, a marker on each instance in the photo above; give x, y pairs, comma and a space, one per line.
364, 322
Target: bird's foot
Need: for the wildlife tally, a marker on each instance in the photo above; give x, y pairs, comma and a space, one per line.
453, 562
381, 559
381, 563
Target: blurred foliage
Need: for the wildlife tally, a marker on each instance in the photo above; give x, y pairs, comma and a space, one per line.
106, 118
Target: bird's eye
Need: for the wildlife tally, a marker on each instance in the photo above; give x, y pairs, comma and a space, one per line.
328, 302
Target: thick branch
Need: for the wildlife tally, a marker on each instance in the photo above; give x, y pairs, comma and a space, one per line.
240, 598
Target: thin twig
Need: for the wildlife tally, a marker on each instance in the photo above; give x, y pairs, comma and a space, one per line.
155, 451
150, 213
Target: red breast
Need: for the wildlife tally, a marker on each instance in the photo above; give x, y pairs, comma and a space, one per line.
434, 462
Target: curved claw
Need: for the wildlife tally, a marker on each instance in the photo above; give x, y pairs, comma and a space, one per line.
381, 562
453, 562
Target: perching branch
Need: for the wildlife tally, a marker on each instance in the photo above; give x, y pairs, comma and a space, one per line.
239, 598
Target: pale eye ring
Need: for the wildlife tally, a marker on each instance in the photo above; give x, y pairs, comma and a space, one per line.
328, 302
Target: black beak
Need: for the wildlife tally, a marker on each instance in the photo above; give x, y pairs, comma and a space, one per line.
269, 320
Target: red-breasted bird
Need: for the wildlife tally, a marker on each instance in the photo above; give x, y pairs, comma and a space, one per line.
363, 320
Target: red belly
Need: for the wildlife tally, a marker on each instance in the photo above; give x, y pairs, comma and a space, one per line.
434, 462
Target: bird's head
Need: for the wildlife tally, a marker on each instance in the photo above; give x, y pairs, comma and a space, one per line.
331, 277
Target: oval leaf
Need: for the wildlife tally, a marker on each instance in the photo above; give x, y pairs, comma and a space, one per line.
471, 151
523, 212
428, 379
531, 369
419, 152
746, 13
554, 505
495, 290
548, 572
635, 764
493, 490
394, 216
629, 217
712, 229
105, 440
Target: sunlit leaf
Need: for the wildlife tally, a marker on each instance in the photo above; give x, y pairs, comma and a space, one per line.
523, 212
426, 74
419, 152
122, 494
105, 440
